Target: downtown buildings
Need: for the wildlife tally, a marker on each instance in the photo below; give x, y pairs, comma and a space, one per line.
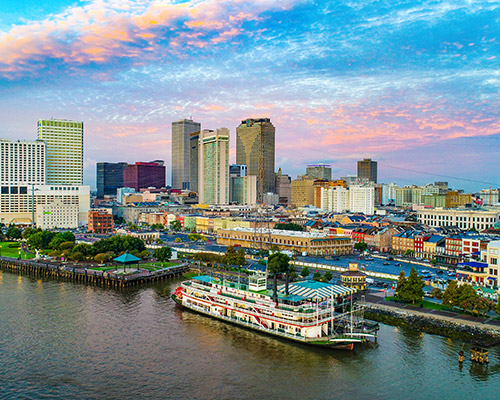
213, 166
255, 148
41, 180
182, 131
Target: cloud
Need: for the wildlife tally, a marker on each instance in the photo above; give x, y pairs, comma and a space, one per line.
115, 31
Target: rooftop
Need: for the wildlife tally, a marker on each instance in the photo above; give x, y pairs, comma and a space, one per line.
282, 232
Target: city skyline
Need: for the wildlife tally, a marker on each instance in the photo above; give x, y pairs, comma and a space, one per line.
414, 87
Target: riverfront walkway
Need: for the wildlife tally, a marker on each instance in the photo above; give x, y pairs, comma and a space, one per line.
377, 301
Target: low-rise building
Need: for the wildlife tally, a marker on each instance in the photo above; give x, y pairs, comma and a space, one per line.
313, 243
100, 221
464, 218
57, 215
353, 277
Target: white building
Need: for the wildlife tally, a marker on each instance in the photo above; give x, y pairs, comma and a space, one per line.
213, 166
64, 140
362, 199
389, 193
464, 218
22, 169
57, 215
335, 199
358, 198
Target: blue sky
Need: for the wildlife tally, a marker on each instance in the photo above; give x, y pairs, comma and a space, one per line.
411, 84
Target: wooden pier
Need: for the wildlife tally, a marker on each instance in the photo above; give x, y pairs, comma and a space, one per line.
80, 274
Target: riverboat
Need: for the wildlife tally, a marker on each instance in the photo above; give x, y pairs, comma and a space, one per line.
313, 313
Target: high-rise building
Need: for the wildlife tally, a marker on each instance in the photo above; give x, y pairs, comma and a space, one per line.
255, 147
283, 188
193, 161
367, 170
303, 191
109, 178
143, 175
64, 141
181, 131
319, 171
213, 166
362, 199
237, 170
244, 189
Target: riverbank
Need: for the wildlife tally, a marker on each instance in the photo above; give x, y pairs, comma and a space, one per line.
483, 331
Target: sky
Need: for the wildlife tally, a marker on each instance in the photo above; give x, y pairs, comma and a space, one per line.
411, 84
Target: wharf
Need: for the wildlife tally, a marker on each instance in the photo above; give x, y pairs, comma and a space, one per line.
88, 276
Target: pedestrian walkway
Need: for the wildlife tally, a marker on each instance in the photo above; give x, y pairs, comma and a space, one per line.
449, 316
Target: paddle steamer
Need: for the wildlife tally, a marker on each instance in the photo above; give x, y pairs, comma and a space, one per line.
313, 313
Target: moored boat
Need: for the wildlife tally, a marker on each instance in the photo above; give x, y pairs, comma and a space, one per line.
313, 313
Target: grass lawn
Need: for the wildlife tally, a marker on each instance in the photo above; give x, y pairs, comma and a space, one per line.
13, 252
157, 266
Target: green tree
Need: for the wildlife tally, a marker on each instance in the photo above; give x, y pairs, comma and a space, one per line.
230, 256
163, 254
305, 272
317, 276
102, 258
177, 240
240, 257
436, 293
450, 295
467, 297
176, 225
13, 232
84, 248
412, 290
327, 276
401, 283
159, 241
278, 263
361, 246
77, 256
289, 227
497, 307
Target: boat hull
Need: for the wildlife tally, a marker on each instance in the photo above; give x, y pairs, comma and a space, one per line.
337, 345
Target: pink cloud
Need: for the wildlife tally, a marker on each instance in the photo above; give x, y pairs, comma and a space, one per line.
100, 32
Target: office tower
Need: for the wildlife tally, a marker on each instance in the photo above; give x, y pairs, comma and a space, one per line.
303, 191
244, 189
193, 161
283, 187
237, 170
213, 166
109, 178
319, 171
181, 131
367, 170
255, 144
142, 175
64, 141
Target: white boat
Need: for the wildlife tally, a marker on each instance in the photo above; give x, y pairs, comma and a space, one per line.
314, 313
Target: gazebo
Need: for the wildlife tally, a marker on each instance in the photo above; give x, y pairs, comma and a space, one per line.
127, 258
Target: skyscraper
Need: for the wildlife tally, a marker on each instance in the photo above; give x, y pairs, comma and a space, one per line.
64, 141
193, 161
109, 178
142, 175
255, 144
367, 170
320, 171
213, 166
181, 131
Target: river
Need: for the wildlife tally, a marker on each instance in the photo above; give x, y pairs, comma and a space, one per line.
61, 340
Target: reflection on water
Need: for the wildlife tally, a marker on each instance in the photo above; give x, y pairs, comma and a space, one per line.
76, 341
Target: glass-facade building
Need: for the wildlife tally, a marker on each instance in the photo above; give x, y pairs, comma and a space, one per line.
181, 131
64, 141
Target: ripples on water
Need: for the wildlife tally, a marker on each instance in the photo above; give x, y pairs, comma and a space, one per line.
60, 340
